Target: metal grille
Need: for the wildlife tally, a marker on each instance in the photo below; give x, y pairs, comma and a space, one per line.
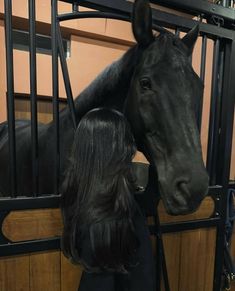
221, 107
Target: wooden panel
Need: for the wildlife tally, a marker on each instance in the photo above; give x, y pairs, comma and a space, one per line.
44, 110
205, 210
45, 271
32, 224
70, 275
197, 260
14, 273
172, 244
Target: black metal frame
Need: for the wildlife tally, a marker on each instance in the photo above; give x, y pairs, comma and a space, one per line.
221, 116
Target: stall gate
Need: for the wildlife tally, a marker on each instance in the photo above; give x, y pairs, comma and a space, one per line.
31, 226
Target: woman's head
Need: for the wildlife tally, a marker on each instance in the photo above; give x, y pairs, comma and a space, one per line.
103, 141
97, 189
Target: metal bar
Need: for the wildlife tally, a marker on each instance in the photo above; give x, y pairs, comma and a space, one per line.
3, 239
214, 190
55, 93
25, 203
227, 116
92, 14
65, 73
97, 14
186, 225
29, 246
213, 130
124, 8
225, 3
161, 251
218, 113
177, 31
158, 261
122, 11
10, 96
202, 76
224, 154
160, 258
75, 6
197, 7
33, 96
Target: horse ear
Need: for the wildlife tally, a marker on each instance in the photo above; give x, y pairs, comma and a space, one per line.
142, 22
190, 38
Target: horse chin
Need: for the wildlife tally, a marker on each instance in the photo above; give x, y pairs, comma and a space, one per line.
174, 210
181, 201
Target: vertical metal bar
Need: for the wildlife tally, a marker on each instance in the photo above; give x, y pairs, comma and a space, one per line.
33, 95
55, 93
224, 154
10, 96
158, 259
225, 3
213, 130
152, 188
203, 58
202, 76
177, 31
227, 116
217, 116
75, 6
161, 251
65, 73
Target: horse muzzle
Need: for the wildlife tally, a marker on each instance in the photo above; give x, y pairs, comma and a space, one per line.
184, 194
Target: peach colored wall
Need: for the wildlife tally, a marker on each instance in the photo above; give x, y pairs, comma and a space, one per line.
88, 58
84, 51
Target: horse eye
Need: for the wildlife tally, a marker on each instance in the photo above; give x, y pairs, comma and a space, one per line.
145, 84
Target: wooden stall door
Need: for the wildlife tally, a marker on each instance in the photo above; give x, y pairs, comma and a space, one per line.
49, 271
190, 255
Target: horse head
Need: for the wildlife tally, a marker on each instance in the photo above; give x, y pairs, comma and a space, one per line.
161, 107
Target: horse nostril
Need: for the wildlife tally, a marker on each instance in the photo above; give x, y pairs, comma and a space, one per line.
182, 186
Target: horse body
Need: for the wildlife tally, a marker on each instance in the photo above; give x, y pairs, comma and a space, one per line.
154, 85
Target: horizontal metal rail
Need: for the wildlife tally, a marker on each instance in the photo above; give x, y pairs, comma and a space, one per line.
29, 246
196, 7
92, 14
124, 8
186, 225
25, 203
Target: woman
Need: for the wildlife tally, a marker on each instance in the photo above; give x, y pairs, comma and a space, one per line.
104, 230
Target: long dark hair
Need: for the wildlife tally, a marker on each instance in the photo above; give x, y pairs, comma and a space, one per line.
97, 193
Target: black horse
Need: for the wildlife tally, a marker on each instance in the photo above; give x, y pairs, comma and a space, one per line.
156, 88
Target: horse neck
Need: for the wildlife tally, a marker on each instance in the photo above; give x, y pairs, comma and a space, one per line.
110, 88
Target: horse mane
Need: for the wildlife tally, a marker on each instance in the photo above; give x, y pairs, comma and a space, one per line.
110, 87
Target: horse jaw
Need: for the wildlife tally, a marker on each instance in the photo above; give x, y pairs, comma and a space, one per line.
181, 186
